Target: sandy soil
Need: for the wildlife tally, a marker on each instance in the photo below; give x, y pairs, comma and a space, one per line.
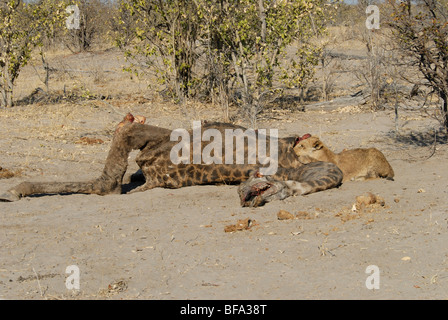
172, 244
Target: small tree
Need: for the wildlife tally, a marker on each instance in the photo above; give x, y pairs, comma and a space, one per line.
21, 29
256, 36
227, 45
421, 32
166, 35
93, 18
122, 26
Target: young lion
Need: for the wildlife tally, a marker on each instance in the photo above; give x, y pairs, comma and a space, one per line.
356, 164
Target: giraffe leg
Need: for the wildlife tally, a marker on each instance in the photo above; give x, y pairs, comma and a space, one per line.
130, 137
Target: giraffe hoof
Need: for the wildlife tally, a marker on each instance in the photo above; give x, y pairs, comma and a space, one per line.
9, 197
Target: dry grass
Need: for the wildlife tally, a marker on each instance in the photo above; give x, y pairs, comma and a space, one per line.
7, 174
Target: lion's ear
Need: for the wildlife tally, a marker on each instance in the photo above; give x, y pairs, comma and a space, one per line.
318, 145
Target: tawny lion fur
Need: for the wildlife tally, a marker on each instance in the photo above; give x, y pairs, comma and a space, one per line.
356, 164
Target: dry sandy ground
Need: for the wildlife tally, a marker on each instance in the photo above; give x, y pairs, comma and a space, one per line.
171, 244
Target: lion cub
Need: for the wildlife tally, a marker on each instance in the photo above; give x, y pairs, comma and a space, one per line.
355, 164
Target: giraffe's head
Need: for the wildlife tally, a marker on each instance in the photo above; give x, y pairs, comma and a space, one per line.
260, 189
